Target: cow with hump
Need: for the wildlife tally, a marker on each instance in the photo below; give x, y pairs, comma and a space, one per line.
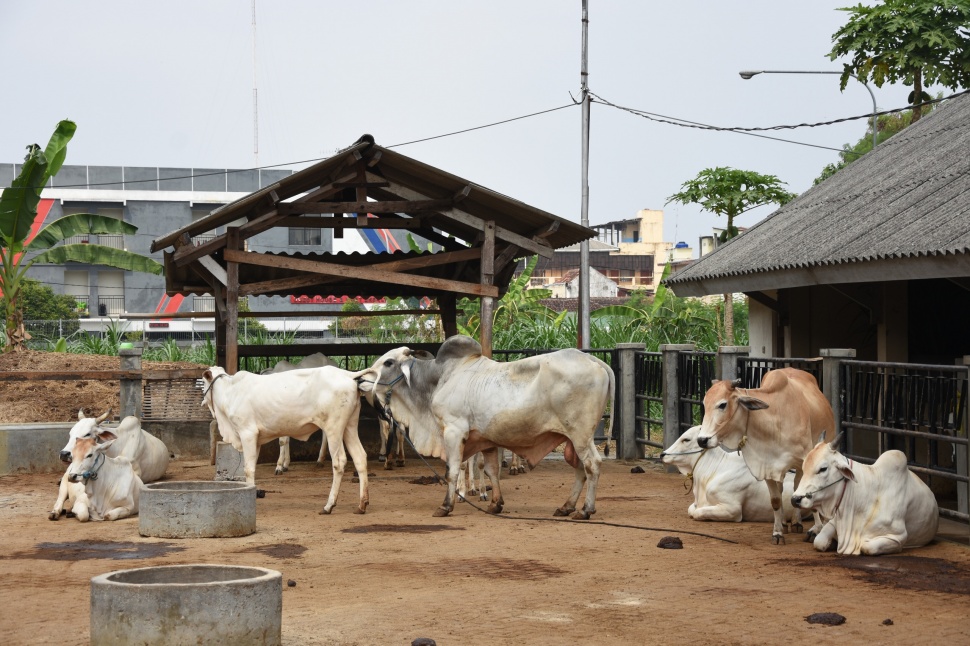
773, 427
148, 455
460, 402
877, 509
111, 486
252, 410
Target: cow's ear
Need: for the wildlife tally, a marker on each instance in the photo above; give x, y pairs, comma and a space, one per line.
846, 471
104, 445
80, 414
107, 436
366, 379
752, 403
713, 382
207, 375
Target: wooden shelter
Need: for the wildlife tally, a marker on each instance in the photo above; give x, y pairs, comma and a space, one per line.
478, 235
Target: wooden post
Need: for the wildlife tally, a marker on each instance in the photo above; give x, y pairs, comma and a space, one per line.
232, 303
488, 277
131, 389
448, 305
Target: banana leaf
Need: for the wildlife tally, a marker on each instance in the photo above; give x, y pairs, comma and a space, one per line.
95, 254
78, 224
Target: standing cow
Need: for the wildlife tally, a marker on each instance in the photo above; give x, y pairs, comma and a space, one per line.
252, 410
773, 427
460, 402
878, 509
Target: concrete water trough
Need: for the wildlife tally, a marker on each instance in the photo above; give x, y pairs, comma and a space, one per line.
187, 604
197, 509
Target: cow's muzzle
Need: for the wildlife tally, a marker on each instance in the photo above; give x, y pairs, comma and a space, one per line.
66, 456
796, 501
702, 442
73, 477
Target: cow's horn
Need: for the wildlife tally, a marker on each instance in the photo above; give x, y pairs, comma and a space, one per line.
103, 417
80, 414
837, 442
736, 383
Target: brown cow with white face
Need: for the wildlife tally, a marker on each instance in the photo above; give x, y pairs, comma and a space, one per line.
774, 427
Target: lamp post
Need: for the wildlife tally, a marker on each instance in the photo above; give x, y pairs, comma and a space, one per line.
747, 74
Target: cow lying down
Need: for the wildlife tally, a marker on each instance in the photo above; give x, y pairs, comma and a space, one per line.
877, 509
722, 484
111, 486
148, 455
252, 410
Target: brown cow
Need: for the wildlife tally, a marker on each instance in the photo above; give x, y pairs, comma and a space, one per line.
773, 427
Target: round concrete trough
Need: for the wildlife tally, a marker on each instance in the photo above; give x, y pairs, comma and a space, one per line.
187, 604
197, 509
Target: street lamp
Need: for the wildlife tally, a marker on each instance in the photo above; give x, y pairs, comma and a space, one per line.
747, 74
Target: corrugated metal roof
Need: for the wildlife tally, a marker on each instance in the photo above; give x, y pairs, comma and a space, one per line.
907, 200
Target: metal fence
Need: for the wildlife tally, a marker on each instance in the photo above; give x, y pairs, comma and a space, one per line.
648, 398
695, 372
914, 408
751, 370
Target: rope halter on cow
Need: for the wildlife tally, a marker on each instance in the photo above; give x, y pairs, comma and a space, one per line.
386, 404
213, 383
845, 482
92, 474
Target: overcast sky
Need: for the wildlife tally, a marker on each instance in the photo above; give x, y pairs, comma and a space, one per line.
171, 84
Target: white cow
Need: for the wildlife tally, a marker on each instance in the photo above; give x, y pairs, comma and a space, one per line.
723, 487
460, 402
317, 360
111, 486
254, 409
148, 454
773, 427
878, 509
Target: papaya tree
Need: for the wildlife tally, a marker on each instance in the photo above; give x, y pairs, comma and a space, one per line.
19, 249
731, 192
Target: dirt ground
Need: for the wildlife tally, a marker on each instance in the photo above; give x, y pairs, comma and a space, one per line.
397, 573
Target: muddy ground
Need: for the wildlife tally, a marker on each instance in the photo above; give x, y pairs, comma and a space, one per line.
397, 573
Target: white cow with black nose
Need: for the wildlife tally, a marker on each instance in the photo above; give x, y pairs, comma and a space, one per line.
878, 509
111, 486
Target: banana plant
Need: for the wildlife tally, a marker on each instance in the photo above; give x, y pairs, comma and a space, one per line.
18, 212
519, 302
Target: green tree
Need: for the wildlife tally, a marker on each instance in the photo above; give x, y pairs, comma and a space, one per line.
731, 192
518, 303
18, 211
39, 303
917, 42
889, 125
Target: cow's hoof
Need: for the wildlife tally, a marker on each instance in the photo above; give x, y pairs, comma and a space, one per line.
563, 512
53, 516
810, 536
325, 511
279, 471
399, 463
777, 539
382, 458
495, 508
360, 511
69, 514
388, 466
505, 463
483, 496
797, 528
579, 515
440, 512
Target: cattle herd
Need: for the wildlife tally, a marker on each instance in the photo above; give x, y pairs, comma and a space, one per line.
466, 409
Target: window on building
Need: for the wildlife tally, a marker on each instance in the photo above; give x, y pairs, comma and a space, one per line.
306, 236
111, 293
79, 239
77, 287
113, 240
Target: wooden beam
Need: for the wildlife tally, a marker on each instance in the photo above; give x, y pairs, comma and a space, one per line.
215, 269
297, 282
362, 184
547, 231
503, 259
274, 314
488, 278
349, 223
386, 206
381, 275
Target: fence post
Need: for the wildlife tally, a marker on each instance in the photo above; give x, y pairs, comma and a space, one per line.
962, 457
831, 361
670, 353
627, 447
726, 362
131, 389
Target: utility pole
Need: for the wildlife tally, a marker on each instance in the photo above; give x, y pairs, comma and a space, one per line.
255, 96
583, 310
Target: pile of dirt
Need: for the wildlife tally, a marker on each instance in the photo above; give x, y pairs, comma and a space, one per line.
26, 401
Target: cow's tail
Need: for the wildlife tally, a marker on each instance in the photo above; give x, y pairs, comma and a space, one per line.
612, 394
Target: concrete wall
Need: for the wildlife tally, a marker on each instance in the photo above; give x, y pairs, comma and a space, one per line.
32, 448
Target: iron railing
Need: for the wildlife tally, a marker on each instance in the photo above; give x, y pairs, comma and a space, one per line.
648, 381
751, 370
914, 408
695, 372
